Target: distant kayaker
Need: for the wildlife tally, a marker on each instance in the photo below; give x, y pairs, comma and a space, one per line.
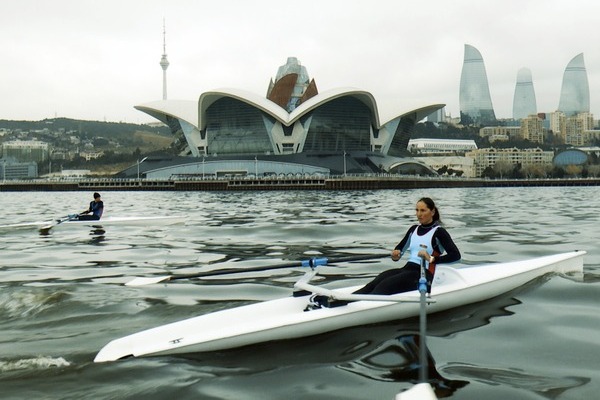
95, 209
440, 249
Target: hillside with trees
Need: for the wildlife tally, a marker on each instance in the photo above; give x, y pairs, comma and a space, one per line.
120, 144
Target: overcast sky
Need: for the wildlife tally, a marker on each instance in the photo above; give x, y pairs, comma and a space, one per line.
96, 60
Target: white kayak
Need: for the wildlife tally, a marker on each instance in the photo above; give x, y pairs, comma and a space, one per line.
285, 318
106, 221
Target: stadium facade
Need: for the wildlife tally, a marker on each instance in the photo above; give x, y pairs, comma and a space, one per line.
524, 102
294, 130
474, 96
575, 91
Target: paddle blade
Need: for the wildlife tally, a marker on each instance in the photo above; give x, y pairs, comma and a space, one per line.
141, 281
46, 228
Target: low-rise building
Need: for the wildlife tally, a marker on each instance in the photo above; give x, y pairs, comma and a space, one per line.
440, 146
488, 157
13, 169
91, 155
591, 137
501, 133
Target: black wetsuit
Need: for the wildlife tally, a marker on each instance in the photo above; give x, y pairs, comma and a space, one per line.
96, 208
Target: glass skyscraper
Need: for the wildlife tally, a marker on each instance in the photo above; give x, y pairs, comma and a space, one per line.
474, 97
524, 103
575, 92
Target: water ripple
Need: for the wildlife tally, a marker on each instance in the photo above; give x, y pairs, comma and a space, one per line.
62, 295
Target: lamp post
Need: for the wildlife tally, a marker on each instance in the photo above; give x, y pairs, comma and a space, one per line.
344, 163
138, 166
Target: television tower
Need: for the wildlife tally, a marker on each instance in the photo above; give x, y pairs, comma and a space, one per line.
164, 63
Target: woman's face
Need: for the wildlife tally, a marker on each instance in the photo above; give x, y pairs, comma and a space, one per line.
424, 214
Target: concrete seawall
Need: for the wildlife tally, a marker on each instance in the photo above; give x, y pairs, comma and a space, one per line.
346, 183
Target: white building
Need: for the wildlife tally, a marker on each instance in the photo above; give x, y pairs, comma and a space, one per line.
577, 130
532, 129
500, 133
26, 150
484, 158
558, 122
440, 146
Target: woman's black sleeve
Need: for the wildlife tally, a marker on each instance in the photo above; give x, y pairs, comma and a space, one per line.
400, 246
452, 253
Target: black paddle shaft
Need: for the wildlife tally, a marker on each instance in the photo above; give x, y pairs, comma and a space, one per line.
313, 262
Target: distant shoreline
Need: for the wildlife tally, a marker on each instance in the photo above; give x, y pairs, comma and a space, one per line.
261, 184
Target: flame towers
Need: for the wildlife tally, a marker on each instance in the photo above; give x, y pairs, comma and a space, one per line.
474, 98
575, 91
524, 103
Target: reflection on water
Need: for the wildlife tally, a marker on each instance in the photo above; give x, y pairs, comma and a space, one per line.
397, 360
97, 235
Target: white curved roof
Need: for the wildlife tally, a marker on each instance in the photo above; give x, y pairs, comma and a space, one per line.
273, 109
262, 103
420, 113
325, 97
195, 112
186, 110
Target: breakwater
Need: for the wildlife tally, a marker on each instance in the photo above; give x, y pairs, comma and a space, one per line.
242, 184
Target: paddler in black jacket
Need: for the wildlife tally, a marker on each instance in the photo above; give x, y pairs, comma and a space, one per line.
96, 209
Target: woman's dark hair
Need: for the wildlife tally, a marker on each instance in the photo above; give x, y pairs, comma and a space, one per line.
96, 195
431, 205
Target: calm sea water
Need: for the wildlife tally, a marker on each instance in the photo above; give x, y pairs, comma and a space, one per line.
62, 295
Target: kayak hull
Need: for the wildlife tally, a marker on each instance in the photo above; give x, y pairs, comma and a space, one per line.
131, 220
285, 318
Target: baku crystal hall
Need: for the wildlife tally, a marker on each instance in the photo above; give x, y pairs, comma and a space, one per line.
294, 131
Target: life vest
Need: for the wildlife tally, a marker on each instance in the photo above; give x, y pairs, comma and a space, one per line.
415, 246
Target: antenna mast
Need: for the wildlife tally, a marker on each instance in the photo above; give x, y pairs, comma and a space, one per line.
164, 63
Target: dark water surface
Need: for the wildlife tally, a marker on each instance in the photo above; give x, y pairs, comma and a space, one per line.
62, 296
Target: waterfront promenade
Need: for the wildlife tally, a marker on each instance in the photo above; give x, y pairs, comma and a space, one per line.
283, 183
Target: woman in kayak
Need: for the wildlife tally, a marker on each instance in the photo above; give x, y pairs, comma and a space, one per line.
440, 249
426, 241
96, 208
